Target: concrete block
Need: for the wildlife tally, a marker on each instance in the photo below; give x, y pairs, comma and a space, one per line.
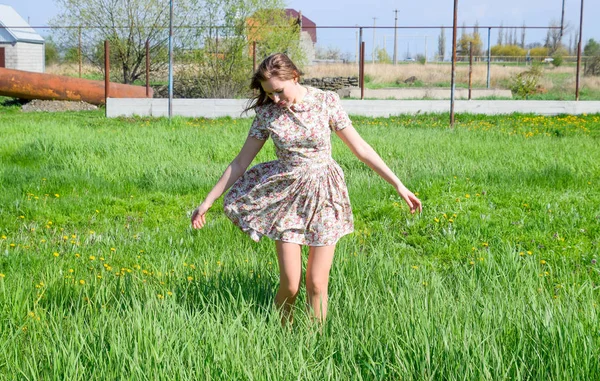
214, 108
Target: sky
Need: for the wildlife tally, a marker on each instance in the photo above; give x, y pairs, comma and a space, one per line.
410, 13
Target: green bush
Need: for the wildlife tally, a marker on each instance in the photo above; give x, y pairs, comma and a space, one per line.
525, 83
557, 59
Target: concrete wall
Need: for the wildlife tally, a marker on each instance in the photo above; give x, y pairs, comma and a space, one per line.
29, 57
308, 47
420, 93
10, 56
213, 108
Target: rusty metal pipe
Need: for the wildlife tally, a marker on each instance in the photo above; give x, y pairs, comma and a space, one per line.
29, 85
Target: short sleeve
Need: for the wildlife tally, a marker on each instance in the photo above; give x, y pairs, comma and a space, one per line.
259, 130
338, 118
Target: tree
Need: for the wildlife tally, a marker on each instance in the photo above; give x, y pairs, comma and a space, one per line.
212, 39
127, 25
500, 35
592, 60
467, 39
224, 63
328, 53
51, 52
554, 35
441, 45
523, 30
592, 48
476, 40
382, 56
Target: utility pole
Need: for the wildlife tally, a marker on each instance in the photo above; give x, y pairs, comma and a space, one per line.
562, 21
396, 38
373, 50
357, 47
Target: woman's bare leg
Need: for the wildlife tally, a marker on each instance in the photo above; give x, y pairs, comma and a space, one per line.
289, 256
320, 259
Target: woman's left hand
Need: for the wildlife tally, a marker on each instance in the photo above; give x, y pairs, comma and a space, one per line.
411, 200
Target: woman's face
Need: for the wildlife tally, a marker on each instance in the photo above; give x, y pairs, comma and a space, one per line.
282, 92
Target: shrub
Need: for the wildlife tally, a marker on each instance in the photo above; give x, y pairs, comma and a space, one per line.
557, 59
525, 83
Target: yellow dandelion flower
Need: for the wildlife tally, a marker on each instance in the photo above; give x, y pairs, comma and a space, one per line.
56, 254
113, 249
190, 278
92, 258
467, 195
101, 258
12, 245
435, 219
160, 296
415, 267
56, 195
31, 314
3, 236
99, 276
529, 252
169, 293
77, 255
21, 217
81, 282
542, 262
471, 263
2, 275
71, 270
521, 253
193, 267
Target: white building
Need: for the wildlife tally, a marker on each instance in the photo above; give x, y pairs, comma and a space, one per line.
21, 48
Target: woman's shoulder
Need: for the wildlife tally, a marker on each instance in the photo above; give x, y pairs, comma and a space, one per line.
266, 109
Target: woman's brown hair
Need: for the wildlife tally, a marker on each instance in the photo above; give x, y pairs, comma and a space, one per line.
276, 65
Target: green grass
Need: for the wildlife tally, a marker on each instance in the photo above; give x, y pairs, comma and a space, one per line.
102, 277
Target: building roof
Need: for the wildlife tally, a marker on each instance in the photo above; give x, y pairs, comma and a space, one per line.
307, 24
13, 28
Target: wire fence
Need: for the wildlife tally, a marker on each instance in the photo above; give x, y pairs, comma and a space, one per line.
217, 61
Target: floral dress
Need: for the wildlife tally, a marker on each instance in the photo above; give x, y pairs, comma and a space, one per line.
301, 197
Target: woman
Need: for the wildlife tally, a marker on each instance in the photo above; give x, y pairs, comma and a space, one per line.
300, 198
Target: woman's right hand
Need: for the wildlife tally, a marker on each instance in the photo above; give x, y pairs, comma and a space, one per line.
199, 216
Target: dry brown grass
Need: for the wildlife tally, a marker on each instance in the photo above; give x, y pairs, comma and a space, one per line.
72, 70
435, 74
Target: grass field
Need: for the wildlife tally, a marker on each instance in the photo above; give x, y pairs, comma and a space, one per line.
101, 276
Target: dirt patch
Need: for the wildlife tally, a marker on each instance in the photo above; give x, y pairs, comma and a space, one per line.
56, 106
